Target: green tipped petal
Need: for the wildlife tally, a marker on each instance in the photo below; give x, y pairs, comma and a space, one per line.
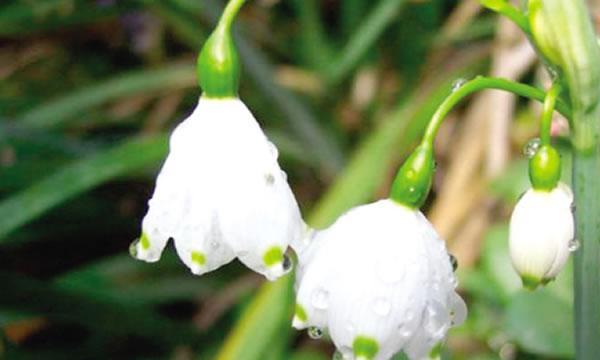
365, 347
414, 179
545, 168
300, 313
531, 282
273, 256
198, 258
145, 241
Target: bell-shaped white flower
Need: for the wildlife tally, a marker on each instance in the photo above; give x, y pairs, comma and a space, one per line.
541, 234
221, 194
381, 280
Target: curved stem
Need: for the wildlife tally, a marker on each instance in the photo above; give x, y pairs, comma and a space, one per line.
548, 111
507, 9
230, 12
482, 83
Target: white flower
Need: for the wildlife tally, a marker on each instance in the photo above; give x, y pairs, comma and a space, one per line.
221, 194
541, 234
380, 279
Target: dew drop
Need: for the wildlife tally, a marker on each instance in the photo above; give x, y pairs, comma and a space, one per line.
287, 264
574, 244
532, 147
133, 251
458, 83
337, 356
315, 332
269, 179
453, 262
214, 244
459, 310
573, 208
436, 321
320, 299
382, 306
284, 175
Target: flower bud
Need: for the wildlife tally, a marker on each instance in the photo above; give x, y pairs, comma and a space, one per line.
541, 233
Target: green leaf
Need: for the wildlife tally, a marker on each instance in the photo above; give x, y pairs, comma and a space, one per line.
541, 323
56, 112
73, 179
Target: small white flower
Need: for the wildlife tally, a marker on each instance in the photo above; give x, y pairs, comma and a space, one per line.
541, 234
380, 279
221, 194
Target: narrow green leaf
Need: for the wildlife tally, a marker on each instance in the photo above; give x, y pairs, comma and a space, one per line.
57, 112
78, 177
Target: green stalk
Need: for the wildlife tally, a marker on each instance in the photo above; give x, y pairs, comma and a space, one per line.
481, 83
564, 34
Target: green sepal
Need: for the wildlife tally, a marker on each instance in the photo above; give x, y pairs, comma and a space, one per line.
273, 256
300, 313
541, 33
218, 67
545, 168
413, 181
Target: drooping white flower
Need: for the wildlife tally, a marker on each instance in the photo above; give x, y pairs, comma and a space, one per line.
380, 279
541, 234
221, 194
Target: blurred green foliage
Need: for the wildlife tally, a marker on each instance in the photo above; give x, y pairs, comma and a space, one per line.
88, 90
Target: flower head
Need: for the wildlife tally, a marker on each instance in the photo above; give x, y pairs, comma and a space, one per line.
221, 194
380, 279
541, 234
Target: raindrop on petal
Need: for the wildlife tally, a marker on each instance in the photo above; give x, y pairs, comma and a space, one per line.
382, 306
320, 299
574, 244
287, 264
532, 147
315, 332
269, 179
453, 262
459, 310
273, 150
337, 356
284, 175
133, 248
436, 319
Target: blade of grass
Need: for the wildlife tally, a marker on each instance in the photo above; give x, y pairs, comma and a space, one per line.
57, 112
24, 294
363, 39
318, 142
78, 177
356, 184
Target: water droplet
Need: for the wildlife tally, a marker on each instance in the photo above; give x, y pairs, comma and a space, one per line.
459, 310
453, 262
320, 299
574, 244
436, 319
315, 332
133, 248
412, 189
382, 306
388, 270
573, 208
532, 147
215, 244
337, 356
269, 179
284, 175
458, 83
287, 264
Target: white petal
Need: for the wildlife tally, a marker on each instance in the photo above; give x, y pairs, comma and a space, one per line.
541, 228
383, 267
222, 194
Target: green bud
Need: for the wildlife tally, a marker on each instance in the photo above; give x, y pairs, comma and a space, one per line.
545, 168
413, 181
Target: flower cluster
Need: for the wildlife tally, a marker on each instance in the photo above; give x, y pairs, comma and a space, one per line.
380, 279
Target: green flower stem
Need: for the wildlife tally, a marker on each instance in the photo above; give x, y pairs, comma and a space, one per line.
507, 9
548, 111
481, 83
230, 12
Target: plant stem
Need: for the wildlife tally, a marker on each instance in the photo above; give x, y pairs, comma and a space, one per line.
482, 83
230, 12
548, 111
